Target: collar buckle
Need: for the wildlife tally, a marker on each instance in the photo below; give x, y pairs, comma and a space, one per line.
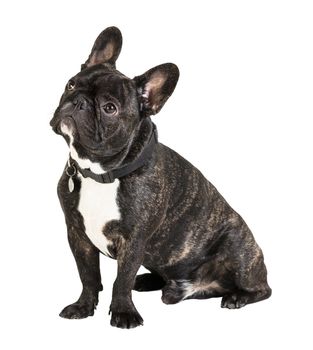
108, 177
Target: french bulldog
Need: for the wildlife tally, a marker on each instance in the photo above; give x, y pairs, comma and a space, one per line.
135, 200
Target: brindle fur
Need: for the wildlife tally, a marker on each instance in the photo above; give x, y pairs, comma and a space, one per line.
173, 222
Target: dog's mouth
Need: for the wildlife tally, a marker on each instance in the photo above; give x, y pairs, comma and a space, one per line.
87, 143
62, 127
66, 126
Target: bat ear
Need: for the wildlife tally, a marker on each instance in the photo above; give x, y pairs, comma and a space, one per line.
106, 48
156, 86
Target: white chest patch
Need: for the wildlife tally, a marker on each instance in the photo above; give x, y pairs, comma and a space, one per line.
97, 205
97, 202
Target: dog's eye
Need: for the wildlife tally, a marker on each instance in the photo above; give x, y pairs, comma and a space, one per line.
109, 108
70, 85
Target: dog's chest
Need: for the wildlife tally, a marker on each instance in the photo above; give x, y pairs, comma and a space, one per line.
97, 205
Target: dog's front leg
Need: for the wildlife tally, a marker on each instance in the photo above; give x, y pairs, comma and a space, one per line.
130, 257
87, 260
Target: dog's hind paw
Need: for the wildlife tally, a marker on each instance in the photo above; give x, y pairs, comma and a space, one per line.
234, 301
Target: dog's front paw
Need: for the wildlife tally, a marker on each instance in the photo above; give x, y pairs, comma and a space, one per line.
126, 319
77, 310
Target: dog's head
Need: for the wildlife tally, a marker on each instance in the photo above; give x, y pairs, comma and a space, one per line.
101, 108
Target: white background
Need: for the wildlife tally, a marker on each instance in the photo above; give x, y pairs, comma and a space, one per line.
241, 113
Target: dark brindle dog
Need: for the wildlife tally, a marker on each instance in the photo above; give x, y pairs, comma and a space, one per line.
137, 201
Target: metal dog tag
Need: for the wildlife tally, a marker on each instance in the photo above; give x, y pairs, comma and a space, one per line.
70, 172
70, 184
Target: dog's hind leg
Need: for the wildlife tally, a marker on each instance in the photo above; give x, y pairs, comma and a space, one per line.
148, 282
252, 287
249, 271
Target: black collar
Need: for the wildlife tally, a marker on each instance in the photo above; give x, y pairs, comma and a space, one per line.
113, 174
